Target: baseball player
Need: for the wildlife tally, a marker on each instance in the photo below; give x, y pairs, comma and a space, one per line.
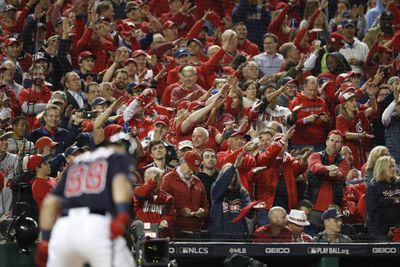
93, 197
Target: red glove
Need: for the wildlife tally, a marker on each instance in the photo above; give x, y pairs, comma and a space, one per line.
118, 225
42, 253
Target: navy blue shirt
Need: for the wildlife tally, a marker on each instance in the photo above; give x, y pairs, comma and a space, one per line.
88, 182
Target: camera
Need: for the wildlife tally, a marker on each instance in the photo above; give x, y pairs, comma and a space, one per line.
89, 114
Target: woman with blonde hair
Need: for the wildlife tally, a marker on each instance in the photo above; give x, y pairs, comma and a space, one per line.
374, 155
382, 201
354, 124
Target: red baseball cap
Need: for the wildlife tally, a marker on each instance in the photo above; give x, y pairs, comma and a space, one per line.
346, 96
169, 24
130, 60
86, 54
343, 76
336, 132
162, 119
10, 41
34, 161
45, 141
139, 53
193, 160
336, 38
110, 130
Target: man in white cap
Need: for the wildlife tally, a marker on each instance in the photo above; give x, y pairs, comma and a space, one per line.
296, 221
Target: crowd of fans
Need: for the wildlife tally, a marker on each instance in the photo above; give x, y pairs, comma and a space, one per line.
253, 120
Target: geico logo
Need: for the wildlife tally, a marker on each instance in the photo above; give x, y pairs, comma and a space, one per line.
384, 250
237, 250
277, 250
193, 250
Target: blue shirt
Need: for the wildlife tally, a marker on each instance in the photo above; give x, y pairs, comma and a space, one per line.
269, 64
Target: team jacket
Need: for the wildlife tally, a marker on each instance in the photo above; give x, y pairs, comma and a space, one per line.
225, 206
313, 133
322, 189
267, 180
153, 207
192, 197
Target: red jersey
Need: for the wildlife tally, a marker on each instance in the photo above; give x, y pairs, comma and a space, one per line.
41, 187
263, 234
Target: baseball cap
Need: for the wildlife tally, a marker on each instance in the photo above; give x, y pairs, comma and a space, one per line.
131, 6
195, 40
393, 79
331, 213
194, 105
130, 60
343, 76
139, 53
193, 160
348, 22
181, 52
34, 161
59, 21
10, 41
162, 119
287, 80
39, 56
54, 100
346, 96
99, 101
235, 132
110, 130
45, 141
8, 8
86, 54
298, 217
72, 150
337, 132
169, 24
4, 134
185, 143
336, 37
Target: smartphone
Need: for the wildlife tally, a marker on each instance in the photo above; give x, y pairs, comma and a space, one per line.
89, 115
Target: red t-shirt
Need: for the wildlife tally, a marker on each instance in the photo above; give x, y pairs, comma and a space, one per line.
41, 187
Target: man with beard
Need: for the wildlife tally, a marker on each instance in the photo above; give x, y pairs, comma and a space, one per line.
12, 49
119, 84
194, 47
243, 43
34, 100
355, 51
73, 85
208, 172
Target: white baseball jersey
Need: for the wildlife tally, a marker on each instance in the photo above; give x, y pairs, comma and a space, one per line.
11, 168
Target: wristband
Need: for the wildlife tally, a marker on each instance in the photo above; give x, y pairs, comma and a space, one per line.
122, 207
46, 234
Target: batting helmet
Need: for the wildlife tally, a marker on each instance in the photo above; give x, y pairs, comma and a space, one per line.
26, 232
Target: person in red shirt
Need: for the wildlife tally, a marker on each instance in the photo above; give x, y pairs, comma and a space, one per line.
243, 43
354, 124
276, 230
153, 205
34, 100
195, 51
236, 142
119, 84
313, 119
189, 90
276, 185
179, 14
42, 183
327, 175
190, 196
